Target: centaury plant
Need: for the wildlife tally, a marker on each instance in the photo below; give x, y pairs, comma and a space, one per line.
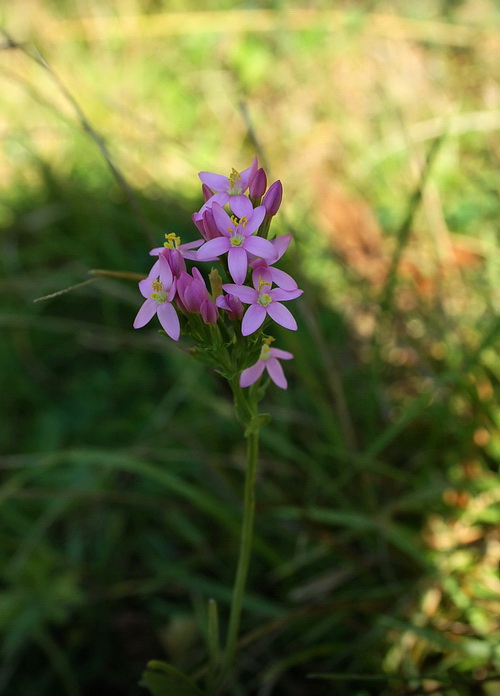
231, 338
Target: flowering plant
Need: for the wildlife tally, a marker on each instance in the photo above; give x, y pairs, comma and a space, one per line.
229, 323
226, 334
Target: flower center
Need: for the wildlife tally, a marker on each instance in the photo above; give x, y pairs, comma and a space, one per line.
234, 183
237, 240
265, 299
265, 353
158, 294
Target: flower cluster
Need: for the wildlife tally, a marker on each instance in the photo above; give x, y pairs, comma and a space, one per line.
227, 322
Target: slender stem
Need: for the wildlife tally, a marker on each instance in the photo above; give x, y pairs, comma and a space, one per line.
244, 556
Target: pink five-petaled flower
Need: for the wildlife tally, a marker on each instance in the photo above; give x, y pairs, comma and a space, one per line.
268, 360
159, 290
237, 238
263, 301
227, 186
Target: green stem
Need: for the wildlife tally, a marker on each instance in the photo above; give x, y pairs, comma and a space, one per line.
244, 555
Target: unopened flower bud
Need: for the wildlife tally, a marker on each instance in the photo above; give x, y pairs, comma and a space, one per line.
272, 199
209, 312
258, 184
232, 305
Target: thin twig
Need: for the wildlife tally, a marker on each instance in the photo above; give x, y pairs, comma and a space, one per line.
65, 290
87, 127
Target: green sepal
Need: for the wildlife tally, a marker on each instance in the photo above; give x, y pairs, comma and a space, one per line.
257, 422
164, 680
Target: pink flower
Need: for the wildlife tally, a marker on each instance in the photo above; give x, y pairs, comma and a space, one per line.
268, 360
192, 296
263, 301
159, 290
237, 238
227, 186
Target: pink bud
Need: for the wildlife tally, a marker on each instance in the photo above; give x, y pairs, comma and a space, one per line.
272, 199
192, 296
175, 261
232, 305
207, 192
209, 311
258, 184
210, 228
206, 224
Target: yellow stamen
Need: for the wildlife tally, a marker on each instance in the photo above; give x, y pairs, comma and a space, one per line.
157, 285
234, 179
173, 241
262, 283
234, 176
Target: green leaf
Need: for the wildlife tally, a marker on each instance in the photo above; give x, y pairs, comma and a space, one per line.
164, 680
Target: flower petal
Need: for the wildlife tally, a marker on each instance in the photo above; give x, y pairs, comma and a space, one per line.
282, 295
282, 243
253, 319
242, 292
145, 287
213, 249
276, 373
256, 219
166, 275
252, 374
145, 313
238, 264
169, 320
281, 315
224, 223
283, 280
281, 354
241, 206
217, 182
260, 247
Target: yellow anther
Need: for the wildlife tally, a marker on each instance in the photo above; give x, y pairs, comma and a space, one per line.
157, 285
234, 180
234, 176
244, 221
262, 283
234, 219
173, 241
269, 340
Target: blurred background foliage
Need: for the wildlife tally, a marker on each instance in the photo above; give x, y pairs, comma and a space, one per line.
377, 544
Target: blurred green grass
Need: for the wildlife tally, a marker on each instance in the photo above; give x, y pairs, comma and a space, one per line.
377, 528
